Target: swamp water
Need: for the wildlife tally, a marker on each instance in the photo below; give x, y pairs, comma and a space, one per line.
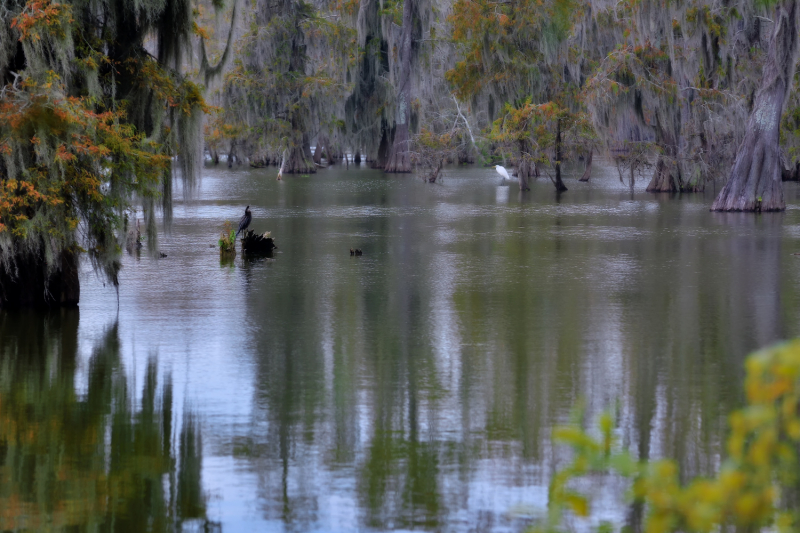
412, 388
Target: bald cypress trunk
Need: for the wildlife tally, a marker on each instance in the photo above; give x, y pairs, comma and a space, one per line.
379, 161
755, 180
523, 167
400, 155
587, 174
299, 160
663, 179
560, 187
318, 151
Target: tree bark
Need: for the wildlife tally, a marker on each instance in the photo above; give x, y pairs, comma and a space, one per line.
318, 149
357, 157
30, 284
299, 160
331, 153
400, 155
231, 153
663, 179
560, 187
755, 181
523, 166
587, 174
379, 161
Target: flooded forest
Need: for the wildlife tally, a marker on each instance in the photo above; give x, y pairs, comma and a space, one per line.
418, 265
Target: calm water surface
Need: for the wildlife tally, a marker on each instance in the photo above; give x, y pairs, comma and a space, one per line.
412, 388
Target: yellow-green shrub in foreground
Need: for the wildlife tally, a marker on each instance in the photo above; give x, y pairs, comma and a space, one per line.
753, 485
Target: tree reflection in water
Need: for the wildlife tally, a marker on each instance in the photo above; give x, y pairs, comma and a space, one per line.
94, 461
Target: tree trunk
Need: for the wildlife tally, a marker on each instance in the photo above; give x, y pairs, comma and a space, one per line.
379, 161
299, 160
357, 157
791, 174
587, 174
560, 187
29, 284
633, 176
231, 154
523, 166
400, 155
755, 182
318, 150
663, 179
331, 154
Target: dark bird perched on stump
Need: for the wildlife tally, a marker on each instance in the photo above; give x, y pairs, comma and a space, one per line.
245, 221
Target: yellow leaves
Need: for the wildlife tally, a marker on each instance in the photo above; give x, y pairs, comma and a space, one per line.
763, 460
747, 506
577, 503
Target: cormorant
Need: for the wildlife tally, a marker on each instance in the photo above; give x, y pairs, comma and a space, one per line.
245, 221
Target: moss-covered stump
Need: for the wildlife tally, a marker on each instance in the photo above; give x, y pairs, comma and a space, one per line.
257, 244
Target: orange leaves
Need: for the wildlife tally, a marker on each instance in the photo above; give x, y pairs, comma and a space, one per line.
17, 197
40, 16
200, 31
69, 149
62, 154
182, 94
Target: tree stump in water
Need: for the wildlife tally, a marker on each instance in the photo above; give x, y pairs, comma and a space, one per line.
257, 244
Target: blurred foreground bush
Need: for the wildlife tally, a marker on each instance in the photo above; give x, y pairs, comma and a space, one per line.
756, 487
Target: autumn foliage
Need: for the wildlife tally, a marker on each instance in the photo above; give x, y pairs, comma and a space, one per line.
86, 134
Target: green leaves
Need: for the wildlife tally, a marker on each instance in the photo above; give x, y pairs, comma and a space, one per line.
762, 462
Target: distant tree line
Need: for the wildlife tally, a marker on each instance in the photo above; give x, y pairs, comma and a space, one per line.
693, 91
99, 97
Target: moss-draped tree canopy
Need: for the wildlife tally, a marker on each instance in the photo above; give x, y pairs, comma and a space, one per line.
97, 97
92, 109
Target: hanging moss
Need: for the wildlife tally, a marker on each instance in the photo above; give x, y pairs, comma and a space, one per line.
89, 122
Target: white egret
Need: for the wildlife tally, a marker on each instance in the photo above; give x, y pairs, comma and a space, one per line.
503, 172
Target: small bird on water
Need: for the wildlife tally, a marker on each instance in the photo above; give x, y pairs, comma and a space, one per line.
245, 221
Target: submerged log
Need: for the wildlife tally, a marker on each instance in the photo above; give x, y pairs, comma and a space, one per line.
257, 244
